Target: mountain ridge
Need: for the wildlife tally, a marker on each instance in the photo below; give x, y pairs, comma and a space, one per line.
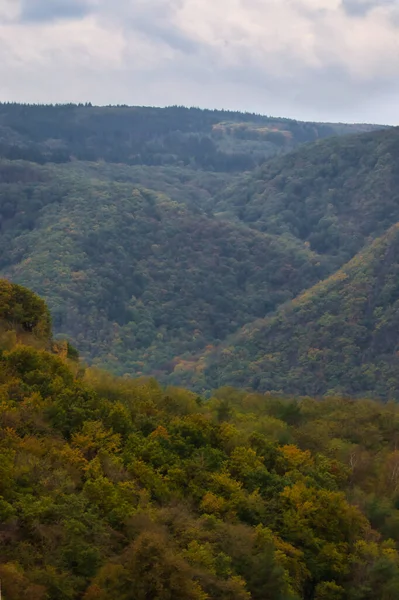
214, 140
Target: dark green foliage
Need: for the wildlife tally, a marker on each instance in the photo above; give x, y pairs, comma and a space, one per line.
151, 269
338, 337
214, 140
333, 194
132, 277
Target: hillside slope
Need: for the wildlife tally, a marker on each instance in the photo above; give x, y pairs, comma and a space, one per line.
206, 139
339, 337
143, 264
334, 194
117, 488
133, 277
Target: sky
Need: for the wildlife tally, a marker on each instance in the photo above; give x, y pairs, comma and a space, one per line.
325, 60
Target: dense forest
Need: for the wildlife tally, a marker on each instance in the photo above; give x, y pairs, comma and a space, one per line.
206, 139
339, 337
120, 488
133, 277
154, 261
334, 195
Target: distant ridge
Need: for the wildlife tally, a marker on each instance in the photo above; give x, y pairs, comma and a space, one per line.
207, 139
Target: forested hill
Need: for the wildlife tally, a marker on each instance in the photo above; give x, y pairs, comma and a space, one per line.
133, 277
334, 195
119, 488
145, 267
340, 337
208, 139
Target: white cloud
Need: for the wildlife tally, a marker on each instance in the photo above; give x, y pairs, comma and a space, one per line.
9, 10
321, 58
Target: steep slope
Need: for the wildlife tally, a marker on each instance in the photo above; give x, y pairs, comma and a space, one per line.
333, 194
215, 140
133, 277
117, 488
340, 337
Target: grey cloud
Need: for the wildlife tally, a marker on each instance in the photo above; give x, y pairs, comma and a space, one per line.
154, 19
163, 31
52, 10
360, 8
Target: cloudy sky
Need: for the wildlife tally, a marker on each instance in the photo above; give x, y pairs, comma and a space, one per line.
334, 60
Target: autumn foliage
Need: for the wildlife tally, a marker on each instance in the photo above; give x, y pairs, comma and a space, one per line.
119, 488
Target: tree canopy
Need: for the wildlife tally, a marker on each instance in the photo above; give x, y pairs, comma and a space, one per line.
338, 337
205, 139
122, 488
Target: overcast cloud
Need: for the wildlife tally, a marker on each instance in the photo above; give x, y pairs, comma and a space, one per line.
308, 59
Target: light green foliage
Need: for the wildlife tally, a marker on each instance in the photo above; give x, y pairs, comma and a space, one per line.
20, 308
119, 488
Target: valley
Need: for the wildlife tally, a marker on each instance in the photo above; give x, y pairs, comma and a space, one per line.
176, 269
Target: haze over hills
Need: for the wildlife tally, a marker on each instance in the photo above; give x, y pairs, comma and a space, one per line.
148, 267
